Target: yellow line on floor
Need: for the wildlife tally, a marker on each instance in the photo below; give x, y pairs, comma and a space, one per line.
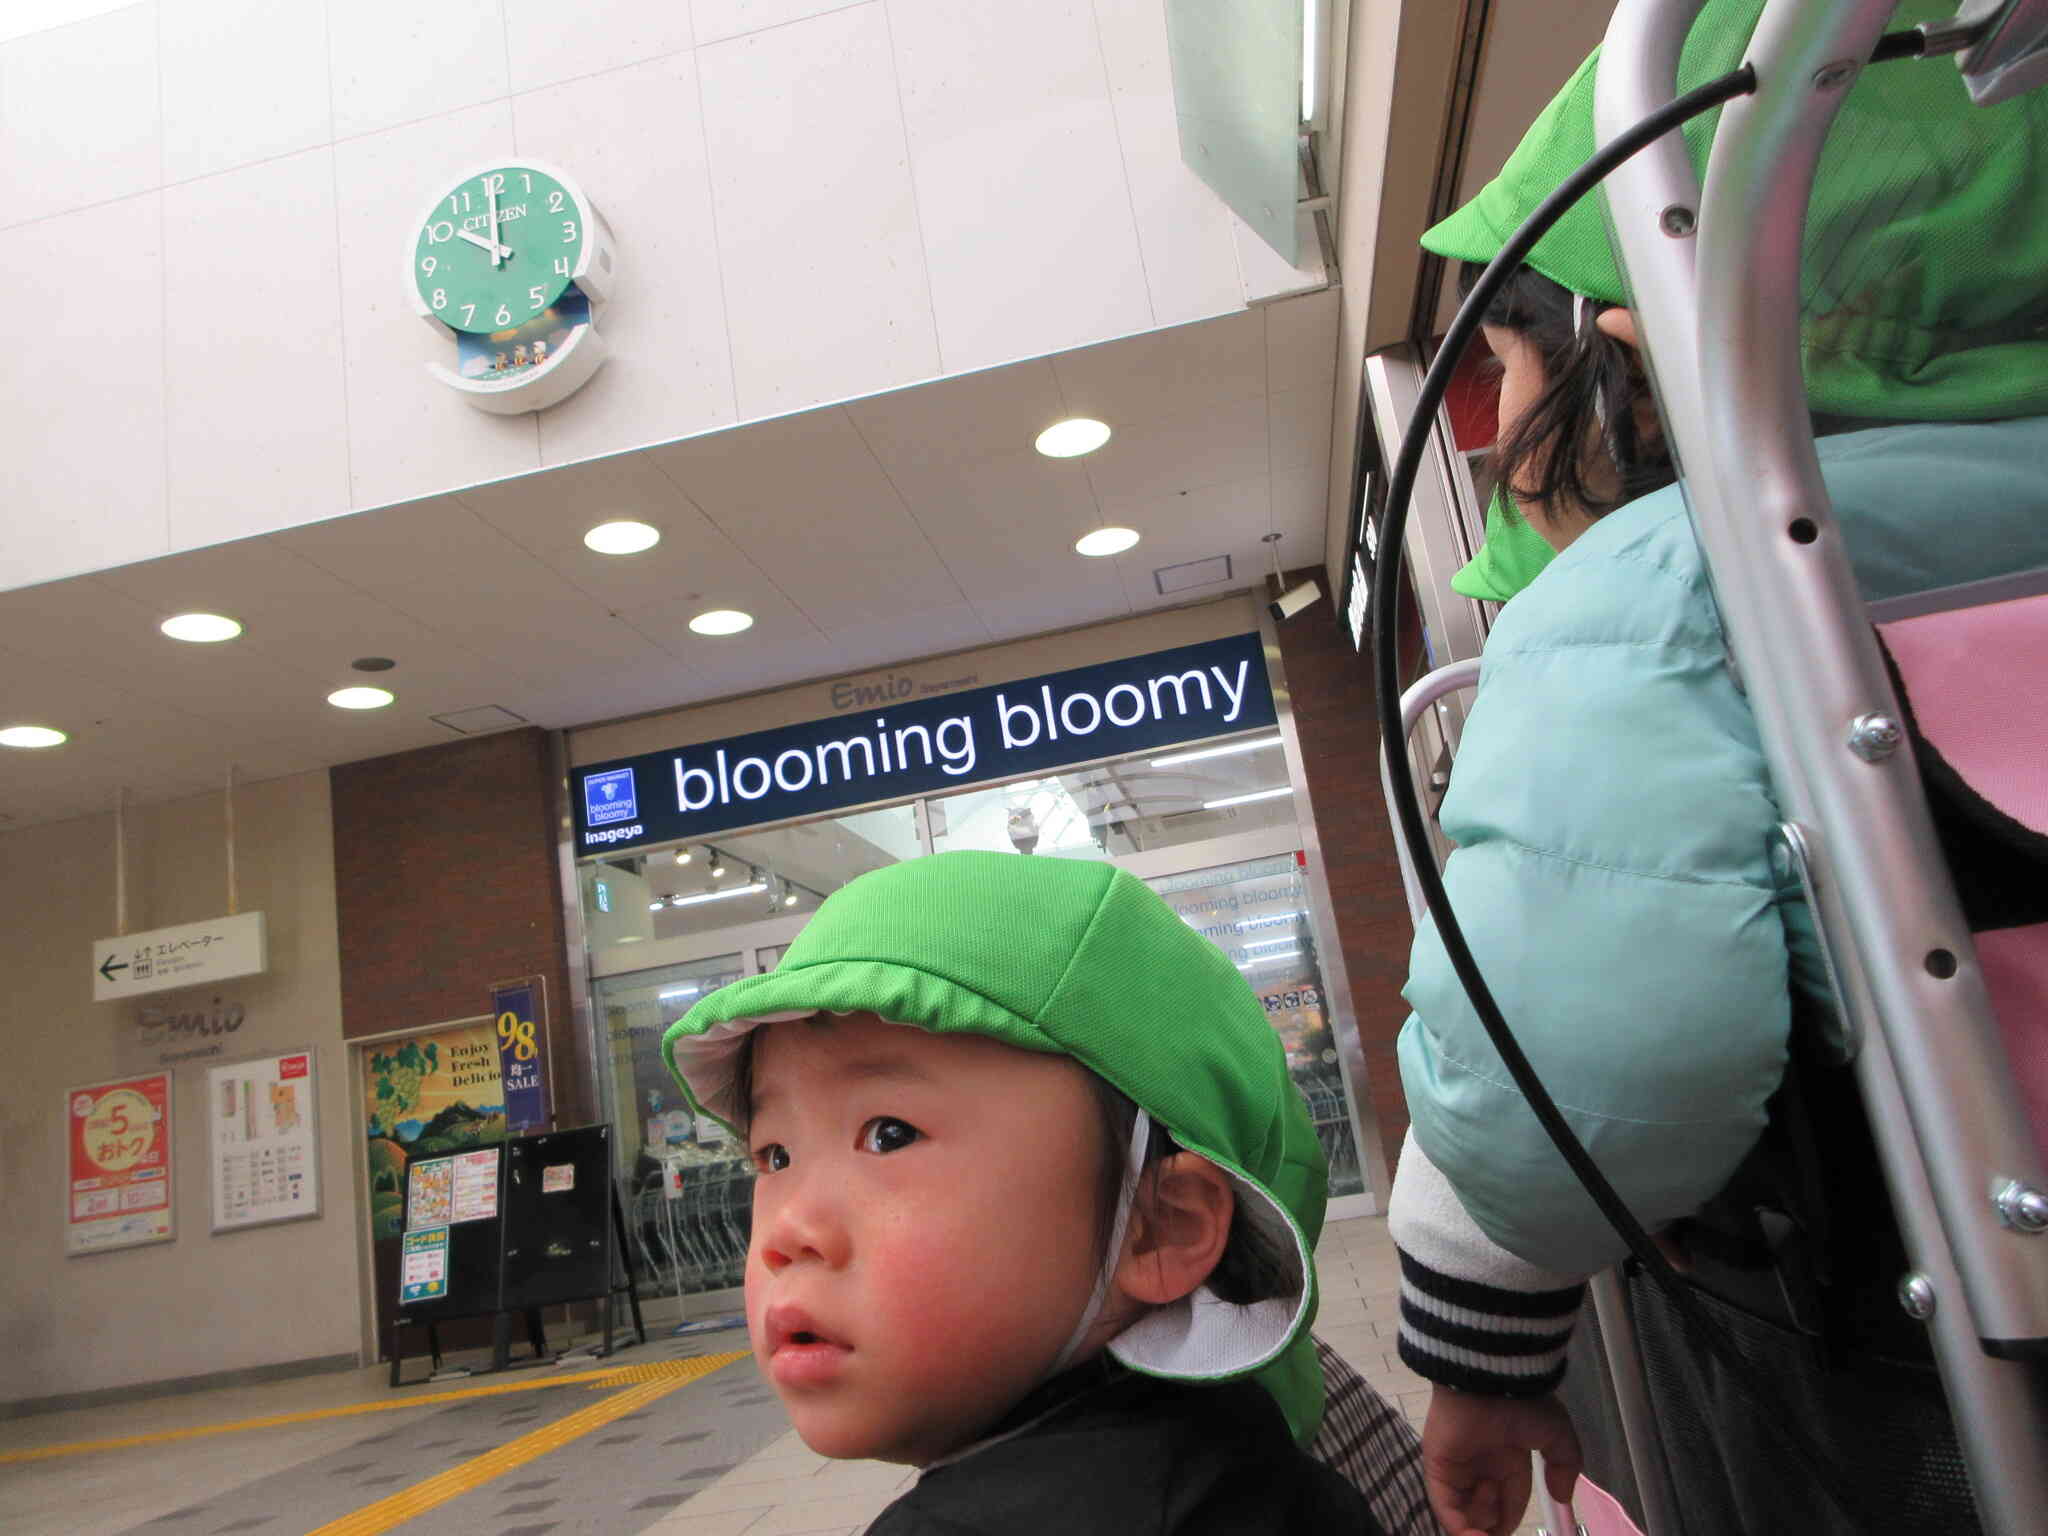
672, 1372
400, 1507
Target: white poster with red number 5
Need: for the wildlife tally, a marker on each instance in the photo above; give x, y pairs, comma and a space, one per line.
120, 1157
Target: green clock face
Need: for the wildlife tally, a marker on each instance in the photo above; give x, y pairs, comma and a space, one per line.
499, 249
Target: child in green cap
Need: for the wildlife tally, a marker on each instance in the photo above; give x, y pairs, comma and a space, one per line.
1611, 810
1035, 1205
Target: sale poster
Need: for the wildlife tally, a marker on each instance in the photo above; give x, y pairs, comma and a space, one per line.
423, 1266
266, 1164
430, 1194
475, 1196
120, 1164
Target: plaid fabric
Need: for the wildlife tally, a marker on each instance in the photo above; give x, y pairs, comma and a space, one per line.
1366, 1440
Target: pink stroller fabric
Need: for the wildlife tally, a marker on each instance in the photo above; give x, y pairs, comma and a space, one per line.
1977, 681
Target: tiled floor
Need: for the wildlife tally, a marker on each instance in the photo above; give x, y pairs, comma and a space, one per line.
713, 1458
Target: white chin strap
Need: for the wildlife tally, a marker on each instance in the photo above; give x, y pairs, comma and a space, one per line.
1141, 1135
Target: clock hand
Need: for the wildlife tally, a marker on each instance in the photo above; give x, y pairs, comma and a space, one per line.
482, 244
491, 192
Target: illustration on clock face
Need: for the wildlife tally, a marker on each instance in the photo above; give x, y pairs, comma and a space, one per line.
524, 347
513, 263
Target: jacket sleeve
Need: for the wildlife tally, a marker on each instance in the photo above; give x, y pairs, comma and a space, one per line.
1473, 1316
1611, 810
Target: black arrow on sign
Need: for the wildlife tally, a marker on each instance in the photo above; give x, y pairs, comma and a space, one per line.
108, 967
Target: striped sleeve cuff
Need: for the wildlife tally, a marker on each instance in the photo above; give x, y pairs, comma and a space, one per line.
1479, 1338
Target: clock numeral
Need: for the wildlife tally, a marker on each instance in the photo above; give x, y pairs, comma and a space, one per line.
537, 297
568, 231
440, 298
437, 233
469, 314
504, 314
465, 202
528, 179
430, 264
554, 202
561, 266
495, 182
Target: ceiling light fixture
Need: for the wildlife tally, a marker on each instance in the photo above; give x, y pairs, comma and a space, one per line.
361, 698
623, 537
32, 736
1106, 541
717, 869
678, 992
657, 904
1257, 794
201, 628
1071, 438
722, 621
738, 890
683, 855
1230, 750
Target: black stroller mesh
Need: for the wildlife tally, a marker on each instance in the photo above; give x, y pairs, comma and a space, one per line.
1884, 1422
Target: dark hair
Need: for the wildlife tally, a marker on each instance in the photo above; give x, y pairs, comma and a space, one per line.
1592, 387
1253, 1267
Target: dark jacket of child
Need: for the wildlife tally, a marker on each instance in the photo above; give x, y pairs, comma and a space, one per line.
1101, 1449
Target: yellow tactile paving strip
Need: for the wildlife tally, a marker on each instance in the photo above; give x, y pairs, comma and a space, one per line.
456, 1481
665, 1374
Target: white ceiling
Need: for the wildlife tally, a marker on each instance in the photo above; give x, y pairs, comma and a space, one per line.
891, 528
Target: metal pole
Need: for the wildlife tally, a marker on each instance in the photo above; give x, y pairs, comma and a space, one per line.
1933, 1071
233, 906
121, 861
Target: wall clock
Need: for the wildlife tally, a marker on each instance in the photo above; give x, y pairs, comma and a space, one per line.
512, 263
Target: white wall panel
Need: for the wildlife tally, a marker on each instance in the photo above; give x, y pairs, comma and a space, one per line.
817, 223
1298, 428
1183, 227
720, 19
409, 434
634, 139
243, 80
1081, 596
80, 119
548, 41
258, 418
82, 389
1027, 219
1159, 374
397, 61
905, 637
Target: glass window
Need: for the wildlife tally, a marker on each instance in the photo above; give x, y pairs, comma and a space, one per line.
727, 882
1132, 805
696, 1240
1257, 914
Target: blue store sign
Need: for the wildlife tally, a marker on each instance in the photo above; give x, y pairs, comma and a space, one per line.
914, 747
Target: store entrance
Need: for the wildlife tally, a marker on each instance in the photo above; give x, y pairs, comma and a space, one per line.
689, 1186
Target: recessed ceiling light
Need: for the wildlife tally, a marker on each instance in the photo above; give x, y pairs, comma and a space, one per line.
32, 736
201, 628
722, 621
1255, 795
624, 537
1106, 541
361, 698
1071, 438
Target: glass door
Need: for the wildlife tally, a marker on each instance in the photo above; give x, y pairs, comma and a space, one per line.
1257, 912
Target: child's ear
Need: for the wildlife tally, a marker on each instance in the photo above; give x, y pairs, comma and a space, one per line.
1180, 1225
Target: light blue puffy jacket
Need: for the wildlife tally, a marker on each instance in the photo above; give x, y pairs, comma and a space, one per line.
1611, 807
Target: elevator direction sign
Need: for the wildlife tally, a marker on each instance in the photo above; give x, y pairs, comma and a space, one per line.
189, 955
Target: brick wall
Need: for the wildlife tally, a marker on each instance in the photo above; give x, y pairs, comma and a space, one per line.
1330, 687
445, 881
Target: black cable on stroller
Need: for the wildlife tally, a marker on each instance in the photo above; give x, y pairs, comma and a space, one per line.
1407, 806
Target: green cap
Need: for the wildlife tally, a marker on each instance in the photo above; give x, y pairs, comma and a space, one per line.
1078, 959
1926, 252
1513, 555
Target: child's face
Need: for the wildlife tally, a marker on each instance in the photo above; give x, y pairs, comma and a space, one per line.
924, 1229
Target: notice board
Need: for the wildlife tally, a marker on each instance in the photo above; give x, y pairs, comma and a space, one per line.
451, 1260
558, 1217
263, 1140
